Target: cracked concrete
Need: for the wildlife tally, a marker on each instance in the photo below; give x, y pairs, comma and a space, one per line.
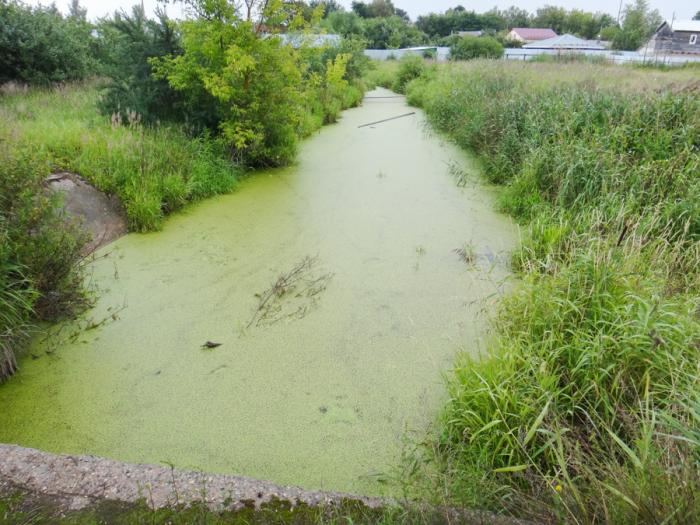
78, 481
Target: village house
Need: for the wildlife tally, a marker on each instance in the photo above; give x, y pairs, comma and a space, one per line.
530, 34
678, 37
568, 43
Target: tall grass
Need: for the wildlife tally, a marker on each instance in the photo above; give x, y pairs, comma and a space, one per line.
39, 253
153, 170
585, 409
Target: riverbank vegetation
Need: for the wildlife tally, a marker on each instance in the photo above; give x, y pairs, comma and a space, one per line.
586, 408
158, 113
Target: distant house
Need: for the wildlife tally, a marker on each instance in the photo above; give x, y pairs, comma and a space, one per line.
678, 37
566, 43
530, 34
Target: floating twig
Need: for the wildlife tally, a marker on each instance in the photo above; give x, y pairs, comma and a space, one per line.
387, 119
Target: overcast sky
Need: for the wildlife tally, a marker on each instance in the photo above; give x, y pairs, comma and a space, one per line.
683, 9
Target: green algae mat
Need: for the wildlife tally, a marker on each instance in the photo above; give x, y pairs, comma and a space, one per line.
338, 290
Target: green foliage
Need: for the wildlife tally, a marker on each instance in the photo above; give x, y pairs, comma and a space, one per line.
638, 25
127, 44
252, 80
258, 92
385, 32
39, 252
39, 46
153, 171
583, 409
410, 67
471, 47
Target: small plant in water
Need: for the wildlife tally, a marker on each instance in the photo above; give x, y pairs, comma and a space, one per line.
467, 253
458, 173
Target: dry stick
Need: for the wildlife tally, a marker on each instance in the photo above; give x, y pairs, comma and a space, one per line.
387, 119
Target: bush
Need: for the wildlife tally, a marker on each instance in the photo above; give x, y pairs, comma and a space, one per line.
39, 253
410, 67
471, 47
39, 46
128, 44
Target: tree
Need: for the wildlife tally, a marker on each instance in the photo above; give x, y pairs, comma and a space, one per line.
344, 24
392, 33
470, 47
128, 43
551, 17
638, 25
76, 11
38, 45
329, 6
375, 9
697, 16
516, 17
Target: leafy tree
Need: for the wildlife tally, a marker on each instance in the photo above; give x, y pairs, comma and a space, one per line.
697, 16
329, 6
375, 9
609, 33
470, 47
639, 24
345, 24
516, 17
453, 20
128, 43
38, 45
259, 90
552, 17
391, 33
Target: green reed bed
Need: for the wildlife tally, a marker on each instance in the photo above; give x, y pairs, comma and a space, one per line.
586, 408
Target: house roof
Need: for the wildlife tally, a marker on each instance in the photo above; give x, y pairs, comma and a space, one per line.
686, 25
534, 33
565, 42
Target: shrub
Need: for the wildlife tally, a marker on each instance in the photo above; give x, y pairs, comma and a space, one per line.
410, 67
128, 44
39, 46
39, 253
471, 47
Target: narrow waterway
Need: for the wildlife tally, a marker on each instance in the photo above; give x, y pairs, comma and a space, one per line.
318, 380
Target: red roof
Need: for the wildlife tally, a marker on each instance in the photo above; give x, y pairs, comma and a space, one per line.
534, 33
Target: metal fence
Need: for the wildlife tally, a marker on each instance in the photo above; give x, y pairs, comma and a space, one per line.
442, 54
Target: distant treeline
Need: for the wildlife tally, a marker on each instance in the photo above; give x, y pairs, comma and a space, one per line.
384, 26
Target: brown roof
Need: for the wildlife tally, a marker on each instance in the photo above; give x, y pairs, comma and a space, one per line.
534, 33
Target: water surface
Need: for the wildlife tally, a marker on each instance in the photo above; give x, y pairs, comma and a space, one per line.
321, 390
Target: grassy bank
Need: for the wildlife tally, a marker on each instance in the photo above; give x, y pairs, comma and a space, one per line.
586, 409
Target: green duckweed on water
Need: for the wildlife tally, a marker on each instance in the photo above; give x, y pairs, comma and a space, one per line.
335, 291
